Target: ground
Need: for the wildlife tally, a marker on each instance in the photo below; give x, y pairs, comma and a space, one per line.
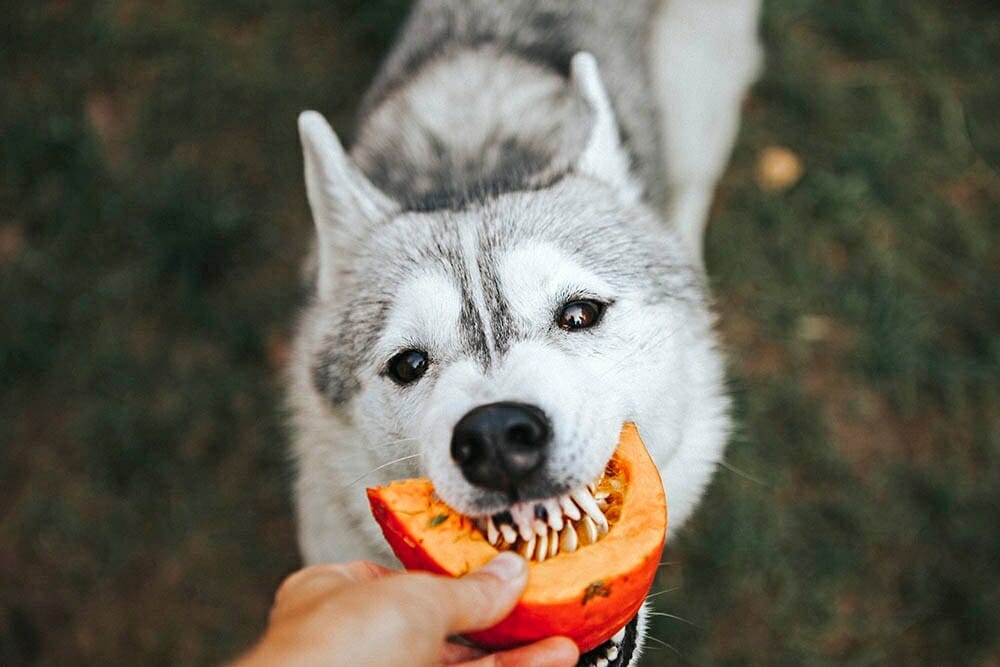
152, 221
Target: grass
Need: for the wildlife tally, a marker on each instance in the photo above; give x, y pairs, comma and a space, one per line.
152, 220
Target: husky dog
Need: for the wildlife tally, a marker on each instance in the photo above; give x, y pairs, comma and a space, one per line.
508, 265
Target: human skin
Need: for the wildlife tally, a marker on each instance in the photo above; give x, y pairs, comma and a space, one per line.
361, 613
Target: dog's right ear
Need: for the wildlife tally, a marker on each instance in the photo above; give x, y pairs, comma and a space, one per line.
603, 156
343, 201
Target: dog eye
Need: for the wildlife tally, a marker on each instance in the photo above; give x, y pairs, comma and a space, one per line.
581, 314
407, 366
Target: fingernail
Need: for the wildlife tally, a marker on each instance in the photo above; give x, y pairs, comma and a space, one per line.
506, 566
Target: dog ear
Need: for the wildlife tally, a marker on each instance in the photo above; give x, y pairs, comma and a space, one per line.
603, 156
343, 201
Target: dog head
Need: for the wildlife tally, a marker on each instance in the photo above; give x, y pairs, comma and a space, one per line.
507, 339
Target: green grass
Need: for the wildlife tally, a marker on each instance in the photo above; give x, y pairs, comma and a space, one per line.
152, 220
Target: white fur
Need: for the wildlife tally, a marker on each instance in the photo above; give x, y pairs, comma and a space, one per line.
424, 315
704, 56
674, 395
532, 275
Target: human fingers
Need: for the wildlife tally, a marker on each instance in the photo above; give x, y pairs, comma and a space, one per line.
482, 598
551, 652
442, 606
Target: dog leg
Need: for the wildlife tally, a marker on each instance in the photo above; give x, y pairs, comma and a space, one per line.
704, 54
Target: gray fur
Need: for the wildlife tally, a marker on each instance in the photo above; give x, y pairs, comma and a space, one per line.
523, 41
638, 260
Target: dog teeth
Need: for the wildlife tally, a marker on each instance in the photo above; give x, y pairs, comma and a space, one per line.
619, 636
568, 541
602, 525
527, 549
543, 529
555, 514
492, 534
612, 651
601, 662
508, 532
587, 504
569, 509
588, 530
505, 522
524, 518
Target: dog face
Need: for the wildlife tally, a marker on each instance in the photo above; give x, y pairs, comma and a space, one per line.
505, 341
538, 299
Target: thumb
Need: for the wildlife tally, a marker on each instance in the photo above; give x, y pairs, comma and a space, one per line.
484, 598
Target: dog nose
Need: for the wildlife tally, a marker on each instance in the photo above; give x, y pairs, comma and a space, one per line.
499, 444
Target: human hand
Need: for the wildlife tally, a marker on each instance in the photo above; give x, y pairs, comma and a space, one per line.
363, 614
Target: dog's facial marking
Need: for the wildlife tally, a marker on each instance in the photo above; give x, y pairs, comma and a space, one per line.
538, 363
420, 326
336, 387
476, 324
504, 327
546, 284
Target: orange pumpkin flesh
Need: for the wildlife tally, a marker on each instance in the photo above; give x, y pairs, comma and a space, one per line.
586, 595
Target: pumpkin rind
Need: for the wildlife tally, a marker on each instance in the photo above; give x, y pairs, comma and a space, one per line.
587, 595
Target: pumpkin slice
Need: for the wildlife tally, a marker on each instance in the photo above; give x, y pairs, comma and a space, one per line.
587, 594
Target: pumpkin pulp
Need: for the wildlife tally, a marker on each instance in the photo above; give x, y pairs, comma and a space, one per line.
586, 595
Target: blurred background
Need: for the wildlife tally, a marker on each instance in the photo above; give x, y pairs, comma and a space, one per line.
152, 222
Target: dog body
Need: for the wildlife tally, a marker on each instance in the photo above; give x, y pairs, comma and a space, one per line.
516, 233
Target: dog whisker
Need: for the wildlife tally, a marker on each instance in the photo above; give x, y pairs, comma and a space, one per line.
745, 475
384, 465
664, 644
674, 617
659, 593
388, 443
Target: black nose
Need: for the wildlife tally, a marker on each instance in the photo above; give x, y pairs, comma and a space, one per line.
499, 444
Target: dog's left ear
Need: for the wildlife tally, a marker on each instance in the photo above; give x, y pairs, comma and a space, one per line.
344, 203
603, 157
